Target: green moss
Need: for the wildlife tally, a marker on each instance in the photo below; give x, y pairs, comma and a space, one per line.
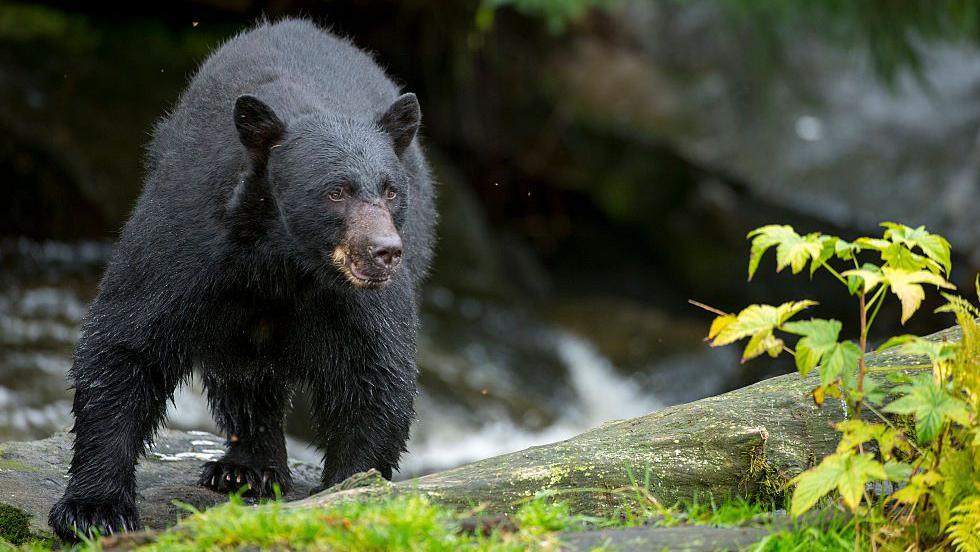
763, 480
15, 526
15, 465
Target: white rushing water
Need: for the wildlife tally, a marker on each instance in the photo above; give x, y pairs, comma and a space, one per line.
601, 394
444, 437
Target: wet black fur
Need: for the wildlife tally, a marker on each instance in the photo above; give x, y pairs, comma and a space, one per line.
224, 267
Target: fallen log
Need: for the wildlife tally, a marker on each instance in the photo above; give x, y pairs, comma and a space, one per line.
748, 442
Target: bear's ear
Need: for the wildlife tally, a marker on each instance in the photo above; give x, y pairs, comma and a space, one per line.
258, 126
401, 121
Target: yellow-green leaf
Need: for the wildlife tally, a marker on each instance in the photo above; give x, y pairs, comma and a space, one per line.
819, 338
792, 249
756, 319
846, 472
917, 487
905, 285
931, 405
719, 324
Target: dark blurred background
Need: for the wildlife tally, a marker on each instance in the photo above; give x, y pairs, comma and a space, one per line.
599, 163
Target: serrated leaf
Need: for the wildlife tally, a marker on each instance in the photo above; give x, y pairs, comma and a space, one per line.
934, 246
857, 432
959, 306
868, 277
719, 324
828, 247
895, 341
764, 238
936, 351
846, 472
906, 286
845, 250
756, 319
931, 405
874, 392
764, 342
916, 488
819, 338
792, 249
841, 360
898, 471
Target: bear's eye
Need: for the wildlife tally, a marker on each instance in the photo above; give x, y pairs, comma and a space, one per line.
390, 193
336, 194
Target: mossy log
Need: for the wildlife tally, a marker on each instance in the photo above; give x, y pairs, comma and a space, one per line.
748, 442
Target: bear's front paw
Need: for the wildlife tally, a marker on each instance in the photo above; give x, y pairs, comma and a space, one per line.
227, 477
72, 519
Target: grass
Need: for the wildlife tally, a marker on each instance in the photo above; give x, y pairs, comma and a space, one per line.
412, 522
395, 523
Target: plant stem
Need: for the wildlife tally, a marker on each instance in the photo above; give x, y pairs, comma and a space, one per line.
708, 308
862, 345
834, 272
879, 296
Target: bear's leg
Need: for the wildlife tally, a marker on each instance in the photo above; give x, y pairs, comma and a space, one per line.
120, 400
251, 413
363, 427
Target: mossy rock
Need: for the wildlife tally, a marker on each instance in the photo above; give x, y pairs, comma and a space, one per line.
15, 525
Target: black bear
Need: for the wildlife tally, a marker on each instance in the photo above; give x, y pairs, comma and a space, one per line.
285, 225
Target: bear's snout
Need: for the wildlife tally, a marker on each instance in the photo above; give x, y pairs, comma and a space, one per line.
386, 251
371, 250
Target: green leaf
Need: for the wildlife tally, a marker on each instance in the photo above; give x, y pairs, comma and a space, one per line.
845, 250
819, 338
934, 246
857, 432
895, 341
936, 351
874, 392
792, 249
827, 248
918, 486
931, 405
868, 277
842, 360
847, 472
898, 471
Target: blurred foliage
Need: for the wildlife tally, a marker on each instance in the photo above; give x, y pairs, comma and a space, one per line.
557, 14
893, 33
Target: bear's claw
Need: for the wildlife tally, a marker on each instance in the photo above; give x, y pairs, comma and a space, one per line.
229, 477
72, 519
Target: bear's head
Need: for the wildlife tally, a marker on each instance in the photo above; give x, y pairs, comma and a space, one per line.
338, 185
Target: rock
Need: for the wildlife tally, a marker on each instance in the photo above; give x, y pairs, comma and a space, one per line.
688, 538
33, 476
815, 130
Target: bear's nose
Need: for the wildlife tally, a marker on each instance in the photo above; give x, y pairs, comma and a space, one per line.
386, 250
